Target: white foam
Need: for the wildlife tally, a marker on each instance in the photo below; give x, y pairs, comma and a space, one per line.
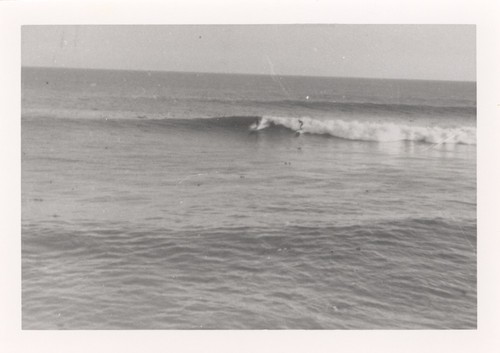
376, 131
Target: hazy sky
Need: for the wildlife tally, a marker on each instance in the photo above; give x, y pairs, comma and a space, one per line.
441, 52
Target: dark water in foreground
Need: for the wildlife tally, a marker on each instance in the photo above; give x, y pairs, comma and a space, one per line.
141, 212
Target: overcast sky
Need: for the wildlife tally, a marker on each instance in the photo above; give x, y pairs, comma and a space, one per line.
440, 52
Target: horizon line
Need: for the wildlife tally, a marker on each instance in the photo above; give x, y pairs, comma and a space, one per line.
246, 74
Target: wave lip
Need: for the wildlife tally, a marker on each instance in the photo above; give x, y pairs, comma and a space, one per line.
372, 131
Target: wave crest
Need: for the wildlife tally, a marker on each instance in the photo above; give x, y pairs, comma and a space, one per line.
372, 131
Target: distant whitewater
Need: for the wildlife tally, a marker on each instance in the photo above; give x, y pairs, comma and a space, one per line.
200, 201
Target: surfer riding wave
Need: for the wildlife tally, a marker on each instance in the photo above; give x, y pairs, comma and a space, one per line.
300, 131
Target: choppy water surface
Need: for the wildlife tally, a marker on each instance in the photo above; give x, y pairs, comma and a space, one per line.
148, 202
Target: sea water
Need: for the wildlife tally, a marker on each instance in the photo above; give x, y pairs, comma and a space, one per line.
158, 200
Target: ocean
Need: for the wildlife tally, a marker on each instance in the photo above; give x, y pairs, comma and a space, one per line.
157, 200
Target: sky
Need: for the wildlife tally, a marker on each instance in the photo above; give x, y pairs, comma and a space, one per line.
435, 52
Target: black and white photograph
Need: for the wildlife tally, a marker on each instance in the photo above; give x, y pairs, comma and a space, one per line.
248, 177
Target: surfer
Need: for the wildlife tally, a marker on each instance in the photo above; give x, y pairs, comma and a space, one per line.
255, 125
299, 131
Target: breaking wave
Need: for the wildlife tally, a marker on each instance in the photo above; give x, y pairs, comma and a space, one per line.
371, 131
381, 131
